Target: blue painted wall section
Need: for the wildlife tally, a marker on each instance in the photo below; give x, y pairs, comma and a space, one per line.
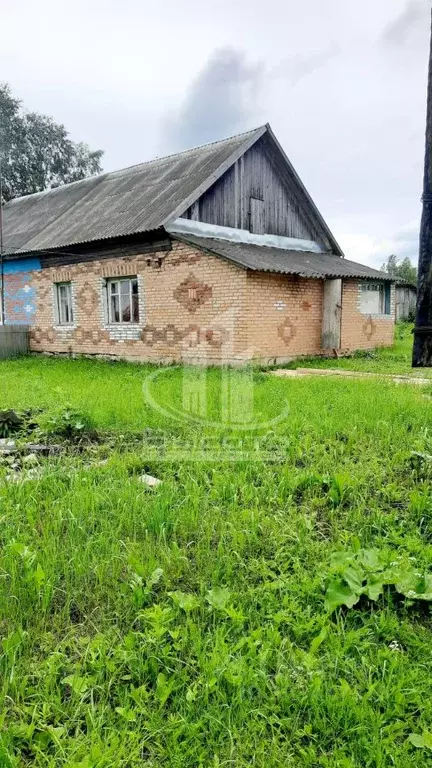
20, 290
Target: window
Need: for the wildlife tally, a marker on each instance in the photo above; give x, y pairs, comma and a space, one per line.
123, 300
64, 303
375, 298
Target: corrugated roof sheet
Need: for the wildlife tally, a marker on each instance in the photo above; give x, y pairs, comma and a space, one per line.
261, 258
137, 199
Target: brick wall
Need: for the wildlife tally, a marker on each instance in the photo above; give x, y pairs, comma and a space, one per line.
284, 316
361, 331
20, 290
191, 308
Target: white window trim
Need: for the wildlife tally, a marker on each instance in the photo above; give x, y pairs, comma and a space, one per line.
121, 279
59, 326
390, 316
125, 330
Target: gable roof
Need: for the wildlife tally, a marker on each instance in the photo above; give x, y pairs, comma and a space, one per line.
263, 258
134, 200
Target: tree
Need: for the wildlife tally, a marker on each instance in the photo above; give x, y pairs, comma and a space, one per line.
404, 269
36, 152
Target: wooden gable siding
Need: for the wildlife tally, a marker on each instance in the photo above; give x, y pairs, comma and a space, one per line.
257, 175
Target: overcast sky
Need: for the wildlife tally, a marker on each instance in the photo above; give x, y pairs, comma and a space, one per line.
343, 85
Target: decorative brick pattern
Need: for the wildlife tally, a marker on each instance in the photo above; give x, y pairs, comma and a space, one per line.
88, 299
360, 331
164, 331
369, 328
236, 315
191, 294
276, 335
287, 331
20, 290
20, 295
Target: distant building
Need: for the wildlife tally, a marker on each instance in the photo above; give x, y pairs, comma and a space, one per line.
405, 300
153, 263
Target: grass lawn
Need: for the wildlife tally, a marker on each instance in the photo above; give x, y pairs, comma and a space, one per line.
396, 359
186, 625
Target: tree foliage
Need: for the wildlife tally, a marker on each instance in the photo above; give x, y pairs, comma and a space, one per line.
402, 269
36, 152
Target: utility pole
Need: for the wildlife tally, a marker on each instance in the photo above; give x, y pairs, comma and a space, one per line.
422, 351
2, 291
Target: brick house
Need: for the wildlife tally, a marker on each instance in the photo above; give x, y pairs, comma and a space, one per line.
213, 254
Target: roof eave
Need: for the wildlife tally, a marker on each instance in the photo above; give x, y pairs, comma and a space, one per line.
21, 254
316, 276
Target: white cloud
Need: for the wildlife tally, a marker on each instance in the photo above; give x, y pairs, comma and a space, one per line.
374, 251
343, 85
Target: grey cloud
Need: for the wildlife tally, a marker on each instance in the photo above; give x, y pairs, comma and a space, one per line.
401, 29
301, 66
223, 98
219, 102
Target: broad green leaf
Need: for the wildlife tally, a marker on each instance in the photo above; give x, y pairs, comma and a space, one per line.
353, 576
423, 741
79, 685
318, 640
339, 593
185, 601
416, 587
155, 577
12, 641
137, 566
371, 559
341, 558
17, 548
191, 693
374, 588
163, 688
38, 576
218, 597
140, 696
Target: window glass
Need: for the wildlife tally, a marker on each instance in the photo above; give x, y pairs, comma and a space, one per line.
64, 303
123, 300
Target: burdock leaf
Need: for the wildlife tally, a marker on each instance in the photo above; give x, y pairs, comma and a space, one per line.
340, 593
218, 597
185, 601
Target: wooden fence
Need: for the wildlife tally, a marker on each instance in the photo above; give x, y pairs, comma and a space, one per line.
405, 302
14, 340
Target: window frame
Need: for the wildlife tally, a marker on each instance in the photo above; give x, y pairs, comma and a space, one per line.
384, 304
110, 295
60, 318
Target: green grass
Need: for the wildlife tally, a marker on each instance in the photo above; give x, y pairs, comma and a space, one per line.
395, 359
185, 625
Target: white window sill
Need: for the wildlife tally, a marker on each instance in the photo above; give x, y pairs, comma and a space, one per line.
123, 326
64, 327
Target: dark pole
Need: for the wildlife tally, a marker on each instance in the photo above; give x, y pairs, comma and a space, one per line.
422, 351
2, 302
